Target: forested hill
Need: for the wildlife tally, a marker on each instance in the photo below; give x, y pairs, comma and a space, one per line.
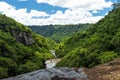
59, 32
21, 50
99, 44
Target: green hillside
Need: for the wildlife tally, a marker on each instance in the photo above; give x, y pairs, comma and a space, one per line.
21, 50
59, 32
96, 45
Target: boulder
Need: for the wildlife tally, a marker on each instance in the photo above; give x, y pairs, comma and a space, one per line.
53, 74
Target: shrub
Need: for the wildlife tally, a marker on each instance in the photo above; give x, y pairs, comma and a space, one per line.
27, 67
3, 72
107, 56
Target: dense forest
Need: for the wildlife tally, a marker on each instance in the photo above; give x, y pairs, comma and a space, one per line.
59, 32
98, 44
21, 50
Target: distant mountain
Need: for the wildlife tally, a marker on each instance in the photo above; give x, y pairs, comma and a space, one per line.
21, 50
59, 32
98, 44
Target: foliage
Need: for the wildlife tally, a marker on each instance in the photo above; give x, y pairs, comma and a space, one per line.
59, 32
3, 72
101, 41
27, 67
106, 56
15, 56
72, 59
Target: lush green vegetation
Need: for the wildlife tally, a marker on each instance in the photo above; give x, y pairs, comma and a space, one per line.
17, 57
59, 32
96, 45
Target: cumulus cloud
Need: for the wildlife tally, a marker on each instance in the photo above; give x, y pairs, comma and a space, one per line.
78, 12
74, 17
83, 4
21, 15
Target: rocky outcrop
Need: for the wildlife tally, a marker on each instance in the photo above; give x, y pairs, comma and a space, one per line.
25, 38
108, 71
22, 36
53, 74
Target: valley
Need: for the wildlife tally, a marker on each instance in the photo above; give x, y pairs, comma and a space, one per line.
59, 32
60, 52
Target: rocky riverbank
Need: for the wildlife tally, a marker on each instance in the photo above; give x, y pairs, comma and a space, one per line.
53, 74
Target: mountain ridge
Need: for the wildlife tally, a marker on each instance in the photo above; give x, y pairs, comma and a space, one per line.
59, 32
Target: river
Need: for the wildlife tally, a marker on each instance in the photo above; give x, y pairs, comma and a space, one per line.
50, 63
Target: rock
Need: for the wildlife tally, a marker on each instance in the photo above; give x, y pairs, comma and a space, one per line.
53, 74
21, 36
107, 71
25, 38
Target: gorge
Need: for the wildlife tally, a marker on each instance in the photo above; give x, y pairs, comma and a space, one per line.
91, 54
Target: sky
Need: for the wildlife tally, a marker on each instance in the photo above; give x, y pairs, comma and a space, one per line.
46, 12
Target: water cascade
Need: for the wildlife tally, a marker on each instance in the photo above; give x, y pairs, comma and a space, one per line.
50, 63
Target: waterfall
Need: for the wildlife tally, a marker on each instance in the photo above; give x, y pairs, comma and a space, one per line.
50, 63
53, 52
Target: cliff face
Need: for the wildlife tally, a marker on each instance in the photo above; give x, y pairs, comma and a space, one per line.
25, 38
17, 30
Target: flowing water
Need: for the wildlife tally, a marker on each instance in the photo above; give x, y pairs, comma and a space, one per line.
50, 63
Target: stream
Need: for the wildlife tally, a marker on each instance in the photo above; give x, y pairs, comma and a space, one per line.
50, 63
53, 73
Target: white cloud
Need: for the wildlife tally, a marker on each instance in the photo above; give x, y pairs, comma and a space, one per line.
38, 13
21, 15
83, 4
73, 17
78, 12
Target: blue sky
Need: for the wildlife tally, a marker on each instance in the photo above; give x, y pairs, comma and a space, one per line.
33, 5
45, 12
